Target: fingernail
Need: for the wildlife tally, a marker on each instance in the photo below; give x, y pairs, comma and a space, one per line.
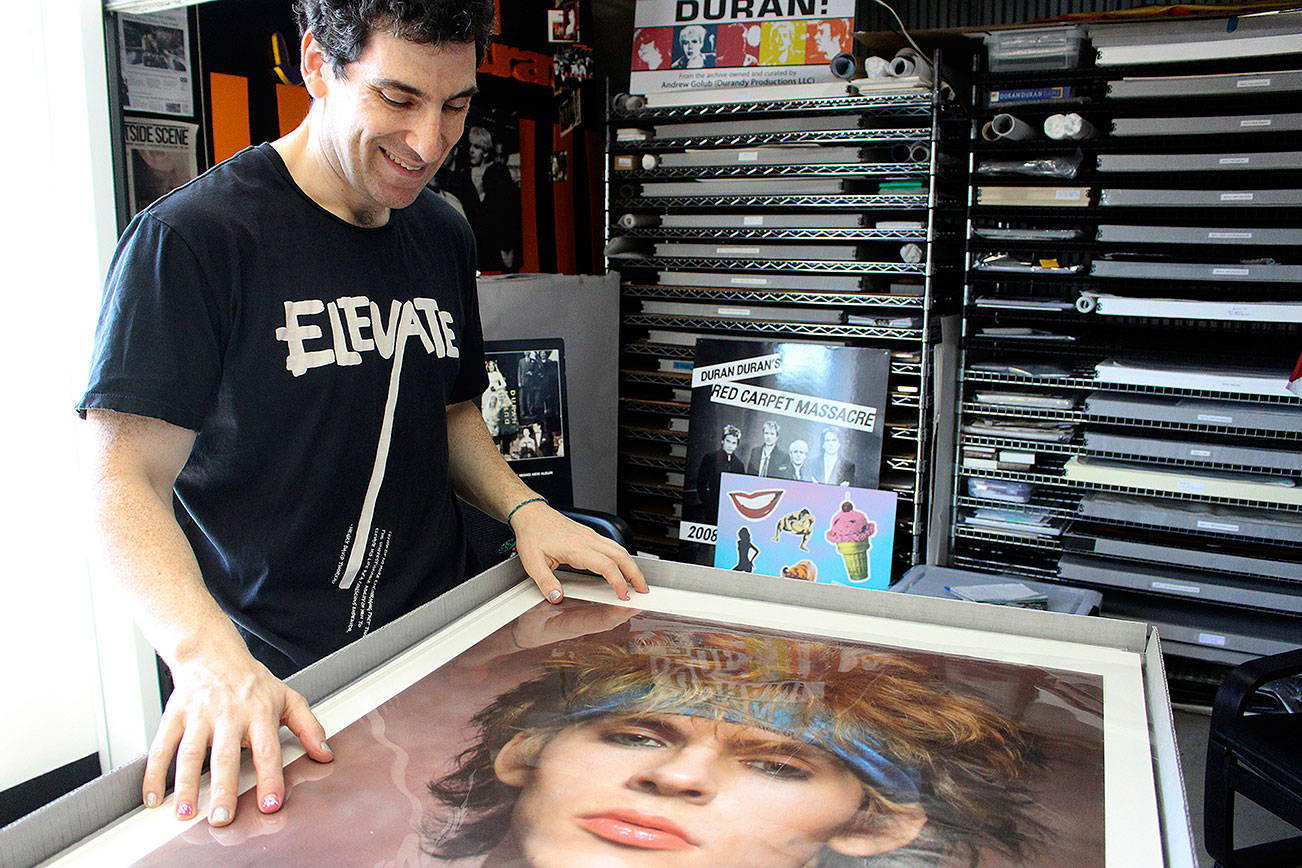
325, 747
270, 803
151, 800
554, 596
184, 810
220, 817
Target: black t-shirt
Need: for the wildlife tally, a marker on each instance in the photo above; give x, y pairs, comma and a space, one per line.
315, 359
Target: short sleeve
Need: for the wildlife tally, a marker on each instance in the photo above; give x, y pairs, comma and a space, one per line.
158, 343
472, 376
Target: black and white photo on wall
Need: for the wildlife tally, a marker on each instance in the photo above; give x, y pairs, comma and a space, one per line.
481, 179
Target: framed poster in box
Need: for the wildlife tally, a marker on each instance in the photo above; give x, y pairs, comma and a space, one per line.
662, 731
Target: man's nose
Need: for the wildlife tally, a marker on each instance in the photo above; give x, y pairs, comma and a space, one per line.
687, 773
426, 137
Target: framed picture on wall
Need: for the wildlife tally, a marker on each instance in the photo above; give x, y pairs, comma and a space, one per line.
525, 411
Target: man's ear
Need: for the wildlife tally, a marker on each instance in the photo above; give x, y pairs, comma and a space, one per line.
872, 834
312, 65
517, 759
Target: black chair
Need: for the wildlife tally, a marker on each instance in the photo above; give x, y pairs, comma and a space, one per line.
1254, 749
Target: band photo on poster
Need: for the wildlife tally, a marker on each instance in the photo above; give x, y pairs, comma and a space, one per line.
786, 411
524, 409
481, 179
595, 734
692, 45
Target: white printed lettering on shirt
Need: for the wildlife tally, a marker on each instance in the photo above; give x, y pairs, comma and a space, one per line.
348, 334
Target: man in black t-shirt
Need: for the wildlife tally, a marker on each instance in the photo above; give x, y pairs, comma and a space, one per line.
281, 397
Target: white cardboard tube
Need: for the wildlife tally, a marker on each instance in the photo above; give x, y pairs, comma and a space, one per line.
1005, 126
846, 66
909, 62
876, 68
629, 101
1068, 126
638, 221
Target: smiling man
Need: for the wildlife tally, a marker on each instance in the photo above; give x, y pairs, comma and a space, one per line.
281, 397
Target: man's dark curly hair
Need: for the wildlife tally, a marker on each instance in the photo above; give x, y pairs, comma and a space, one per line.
342, 27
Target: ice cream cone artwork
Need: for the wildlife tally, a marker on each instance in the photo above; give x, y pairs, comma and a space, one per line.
851, 531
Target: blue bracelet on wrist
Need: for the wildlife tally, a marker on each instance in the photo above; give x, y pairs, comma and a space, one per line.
524, 502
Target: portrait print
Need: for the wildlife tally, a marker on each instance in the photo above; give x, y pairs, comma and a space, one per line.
593, 734
653, 48
524, 410
777, 411
481, 179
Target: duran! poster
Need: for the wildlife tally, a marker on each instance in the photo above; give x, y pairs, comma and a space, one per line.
696, 45
778, 410
833, 534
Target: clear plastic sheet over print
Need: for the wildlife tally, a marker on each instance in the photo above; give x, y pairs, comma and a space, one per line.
602, 735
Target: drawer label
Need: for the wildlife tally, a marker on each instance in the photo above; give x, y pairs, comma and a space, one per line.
1170, 586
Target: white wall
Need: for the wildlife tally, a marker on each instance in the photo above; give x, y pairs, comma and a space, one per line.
56, 234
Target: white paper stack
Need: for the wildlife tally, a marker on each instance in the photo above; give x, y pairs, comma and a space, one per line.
1002, 594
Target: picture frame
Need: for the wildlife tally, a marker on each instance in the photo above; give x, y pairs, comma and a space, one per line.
1143, 804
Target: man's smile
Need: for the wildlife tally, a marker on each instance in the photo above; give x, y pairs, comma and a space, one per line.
397, 162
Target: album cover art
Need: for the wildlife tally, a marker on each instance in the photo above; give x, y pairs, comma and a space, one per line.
778, 410
806, 530
524, 409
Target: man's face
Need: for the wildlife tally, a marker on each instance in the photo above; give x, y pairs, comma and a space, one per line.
831, 443
691, 41
799, 452
677, 790
386, 128
729, 443
825, 40
770, 436
478, 152
650, 54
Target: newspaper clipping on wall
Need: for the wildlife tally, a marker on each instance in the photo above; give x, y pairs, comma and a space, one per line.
155, 60
690, 46
161, 156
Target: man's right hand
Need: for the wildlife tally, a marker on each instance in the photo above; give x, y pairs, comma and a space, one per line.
226, 705
223, 698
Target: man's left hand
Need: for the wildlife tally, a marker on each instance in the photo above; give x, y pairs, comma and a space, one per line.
545, 540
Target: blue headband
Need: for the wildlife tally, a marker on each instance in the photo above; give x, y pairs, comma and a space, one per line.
864, 754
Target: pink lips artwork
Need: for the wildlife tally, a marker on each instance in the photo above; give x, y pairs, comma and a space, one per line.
756, 504
638, 830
